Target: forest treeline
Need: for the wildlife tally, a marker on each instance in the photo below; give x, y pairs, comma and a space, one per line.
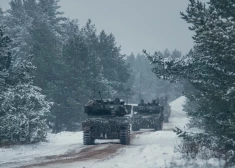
145, 84
50, 66
210, 69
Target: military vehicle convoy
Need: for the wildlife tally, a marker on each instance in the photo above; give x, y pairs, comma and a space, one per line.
147, 116
106, 120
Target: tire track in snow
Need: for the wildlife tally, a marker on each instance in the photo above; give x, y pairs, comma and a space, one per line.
100, 152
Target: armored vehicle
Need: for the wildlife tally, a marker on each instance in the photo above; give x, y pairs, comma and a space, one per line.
147, 116
167, 109
106, 120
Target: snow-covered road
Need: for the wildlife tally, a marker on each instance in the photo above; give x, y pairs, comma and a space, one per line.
148, 149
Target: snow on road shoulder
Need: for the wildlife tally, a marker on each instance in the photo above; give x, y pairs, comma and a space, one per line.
178, 117
60, 143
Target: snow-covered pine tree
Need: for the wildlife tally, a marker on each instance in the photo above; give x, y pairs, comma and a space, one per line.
77, 82
1, 15
146, 85
115, 69
5, 59
18, 24
23, 108
209, 67
96, 81
38, 28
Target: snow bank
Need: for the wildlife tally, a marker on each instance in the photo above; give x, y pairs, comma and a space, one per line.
60, 143
177, 107
178, 117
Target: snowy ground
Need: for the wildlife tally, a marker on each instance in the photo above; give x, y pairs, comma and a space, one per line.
61, 143
148, 149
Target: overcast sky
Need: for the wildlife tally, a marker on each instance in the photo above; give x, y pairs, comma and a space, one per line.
136, 24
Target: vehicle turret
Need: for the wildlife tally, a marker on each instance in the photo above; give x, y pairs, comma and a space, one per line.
106, 120
148, 115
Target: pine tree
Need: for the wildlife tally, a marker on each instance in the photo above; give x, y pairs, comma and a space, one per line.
18, 25
209, 68
145, 85
71, 63
1, 16
5, 59
36, 29
115, 69
176, 54
75, 86
96, 80
23, 109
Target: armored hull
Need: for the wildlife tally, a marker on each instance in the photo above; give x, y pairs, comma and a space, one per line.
167, 108
147, 117
106, 128
153, 121
106, 120
167, 112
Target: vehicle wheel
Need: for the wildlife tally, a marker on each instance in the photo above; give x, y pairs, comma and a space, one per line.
158, 127
125, 136
87, 139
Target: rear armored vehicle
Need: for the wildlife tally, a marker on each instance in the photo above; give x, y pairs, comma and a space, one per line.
167, 108
107, 119
147, 116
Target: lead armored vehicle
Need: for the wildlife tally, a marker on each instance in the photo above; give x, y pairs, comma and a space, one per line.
106, 120
147, 116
